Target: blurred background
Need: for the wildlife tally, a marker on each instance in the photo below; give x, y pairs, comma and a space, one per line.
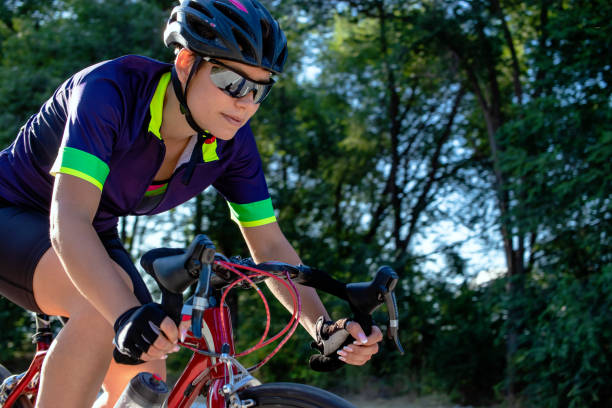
468, 144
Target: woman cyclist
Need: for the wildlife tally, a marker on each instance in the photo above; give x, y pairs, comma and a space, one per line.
137, 136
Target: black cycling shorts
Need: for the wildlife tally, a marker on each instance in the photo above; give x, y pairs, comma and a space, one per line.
24, 238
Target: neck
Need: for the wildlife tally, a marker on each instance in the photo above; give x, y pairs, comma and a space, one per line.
174, 126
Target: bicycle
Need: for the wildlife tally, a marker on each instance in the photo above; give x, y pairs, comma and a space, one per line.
213, 370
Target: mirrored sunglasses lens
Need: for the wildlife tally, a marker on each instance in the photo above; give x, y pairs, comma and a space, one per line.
226, 80
261, 92
237, 86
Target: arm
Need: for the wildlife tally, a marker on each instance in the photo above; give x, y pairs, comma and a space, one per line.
86, 262
73, 207
267, 243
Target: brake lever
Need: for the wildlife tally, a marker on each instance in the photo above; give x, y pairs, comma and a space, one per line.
393, 326
366, 297
202, 259
388, 294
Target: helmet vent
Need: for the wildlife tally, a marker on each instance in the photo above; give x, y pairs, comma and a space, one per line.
245, 45
200, 28
234, 16
172, 18
265, 29
197, 6
268, 47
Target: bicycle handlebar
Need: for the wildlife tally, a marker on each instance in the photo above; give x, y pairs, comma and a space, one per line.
175, 270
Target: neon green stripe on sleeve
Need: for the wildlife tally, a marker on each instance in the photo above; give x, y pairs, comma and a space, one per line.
81, 175
253, 214
259, 222
81, 164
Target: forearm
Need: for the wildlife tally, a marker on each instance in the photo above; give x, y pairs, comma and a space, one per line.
88, 265
312, 307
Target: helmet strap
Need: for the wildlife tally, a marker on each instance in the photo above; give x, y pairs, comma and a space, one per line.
182, 97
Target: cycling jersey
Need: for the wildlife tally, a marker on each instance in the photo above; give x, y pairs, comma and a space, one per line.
103, 126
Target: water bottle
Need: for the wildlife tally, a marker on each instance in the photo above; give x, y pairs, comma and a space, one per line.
7, 386
145, 390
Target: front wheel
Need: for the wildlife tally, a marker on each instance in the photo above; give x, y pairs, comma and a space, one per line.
289, 395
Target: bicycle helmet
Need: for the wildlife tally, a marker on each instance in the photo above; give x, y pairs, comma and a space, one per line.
237, 30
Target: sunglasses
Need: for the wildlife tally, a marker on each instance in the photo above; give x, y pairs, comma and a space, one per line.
236, 84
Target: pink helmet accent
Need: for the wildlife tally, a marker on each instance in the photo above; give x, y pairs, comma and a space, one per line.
239, 5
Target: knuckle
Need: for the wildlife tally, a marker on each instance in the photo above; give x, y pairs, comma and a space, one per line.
170, 330
161, 343
153, 352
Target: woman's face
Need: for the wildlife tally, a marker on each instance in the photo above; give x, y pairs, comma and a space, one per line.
217, 112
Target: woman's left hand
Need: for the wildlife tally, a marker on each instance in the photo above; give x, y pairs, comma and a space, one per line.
363, 348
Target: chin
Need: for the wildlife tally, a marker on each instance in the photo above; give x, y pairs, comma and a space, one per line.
224, 132
225, 135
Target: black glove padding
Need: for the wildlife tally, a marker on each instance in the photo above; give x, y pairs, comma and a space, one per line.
331, 336
135, 331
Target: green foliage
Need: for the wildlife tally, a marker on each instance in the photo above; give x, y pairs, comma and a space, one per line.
45, 42
17, 327
565, 359
467, 357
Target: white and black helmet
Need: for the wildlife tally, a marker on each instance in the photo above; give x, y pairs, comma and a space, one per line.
237, 30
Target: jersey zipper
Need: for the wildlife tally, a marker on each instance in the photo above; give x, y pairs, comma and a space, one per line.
190, 165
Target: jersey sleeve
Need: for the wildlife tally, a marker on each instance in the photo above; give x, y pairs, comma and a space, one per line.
243, 184
92, 127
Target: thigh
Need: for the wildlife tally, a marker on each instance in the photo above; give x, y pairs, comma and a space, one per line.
24, 238
56, 294
53, 290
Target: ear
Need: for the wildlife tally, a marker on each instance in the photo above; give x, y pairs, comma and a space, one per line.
183, 62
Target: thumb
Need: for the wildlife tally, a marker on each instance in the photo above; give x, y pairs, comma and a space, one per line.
356, 331
169, 329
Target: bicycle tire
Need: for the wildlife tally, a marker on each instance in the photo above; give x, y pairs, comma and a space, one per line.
290, 395
23, 401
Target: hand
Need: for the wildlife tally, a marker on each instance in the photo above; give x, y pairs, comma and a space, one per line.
144, 333
184, 327
363, 348
342, 342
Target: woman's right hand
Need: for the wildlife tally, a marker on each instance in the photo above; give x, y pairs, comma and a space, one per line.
144, 333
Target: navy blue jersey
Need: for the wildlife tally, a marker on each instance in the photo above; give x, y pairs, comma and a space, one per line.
103, 126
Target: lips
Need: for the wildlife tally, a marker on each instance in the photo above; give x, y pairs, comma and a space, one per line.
234, 120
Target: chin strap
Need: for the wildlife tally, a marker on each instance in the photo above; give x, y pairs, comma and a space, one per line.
203, 135
182, 97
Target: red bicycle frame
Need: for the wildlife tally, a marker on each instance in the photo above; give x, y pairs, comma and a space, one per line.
28, 384
204, 370
201, 370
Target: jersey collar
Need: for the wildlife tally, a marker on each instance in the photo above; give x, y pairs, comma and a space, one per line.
156, 107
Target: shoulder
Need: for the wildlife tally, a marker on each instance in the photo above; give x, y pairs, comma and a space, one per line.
130, 75
115, 87
124, 67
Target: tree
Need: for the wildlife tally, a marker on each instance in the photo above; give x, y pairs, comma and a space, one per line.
519, 60
43, 43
